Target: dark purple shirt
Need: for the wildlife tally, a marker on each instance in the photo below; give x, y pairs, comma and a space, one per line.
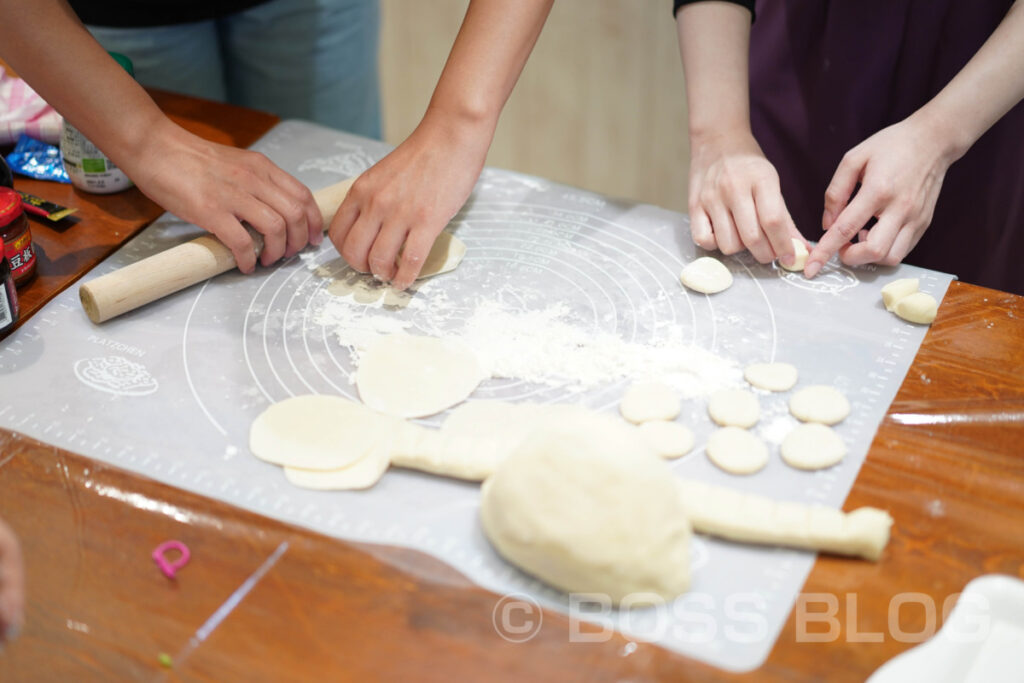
827, 74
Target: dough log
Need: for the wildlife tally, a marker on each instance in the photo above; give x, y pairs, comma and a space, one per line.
747, 518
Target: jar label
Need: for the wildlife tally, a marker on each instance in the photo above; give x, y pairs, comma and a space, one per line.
20, 254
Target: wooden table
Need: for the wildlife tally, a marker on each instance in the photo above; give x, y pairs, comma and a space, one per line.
946, 462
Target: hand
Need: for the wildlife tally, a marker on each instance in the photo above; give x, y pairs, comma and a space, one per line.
406, 199
217, 187
900, 171
12, 585
735, 199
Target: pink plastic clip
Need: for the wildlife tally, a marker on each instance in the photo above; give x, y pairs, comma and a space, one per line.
168, 567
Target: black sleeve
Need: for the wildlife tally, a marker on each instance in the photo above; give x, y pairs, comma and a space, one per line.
749, 4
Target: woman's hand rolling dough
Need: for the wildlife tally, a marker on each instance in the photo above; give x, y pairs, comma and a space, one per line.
395, 210
735, 199
900, 171
12, 585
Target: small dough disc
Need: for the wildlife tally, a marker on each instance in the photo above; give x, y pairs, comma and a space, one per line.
588, 508
801, 256
667, 439
896, 290
646, 401
771, 376
706, 275
812, 446
362, 474
819, 403
918, 308
737, 451
412, 376
734, 408
444, 256
316, 432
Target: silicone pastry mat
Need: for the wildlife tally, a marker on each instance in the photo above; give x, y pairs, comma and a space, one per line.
170, 390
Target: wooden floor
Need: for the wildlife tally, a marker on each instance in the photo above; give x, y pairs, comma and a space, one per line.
600, 104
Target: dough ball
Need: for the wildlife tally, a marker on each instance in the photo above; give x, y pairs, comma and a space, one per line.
667, 439
819, 403
646, 401
588, 508
812, 446
771, 376
737, 451
896, 290
918, 308
411, 376
362, 474
734, 408
316, 432
801, 256
706, 275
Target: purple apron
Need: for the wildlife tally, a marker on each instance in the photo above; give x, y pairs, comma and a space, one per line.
827, 74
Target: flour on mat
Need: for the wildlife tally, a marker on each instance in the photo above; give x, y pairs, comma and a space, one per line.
544, 346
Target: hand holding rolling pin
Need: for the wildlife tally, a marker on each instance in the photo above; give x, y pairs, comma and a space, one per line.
12, 585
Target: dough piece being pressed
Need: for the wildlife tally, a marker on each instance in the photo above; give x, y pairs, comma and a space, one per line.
667, 439
819, 403
747, 518
898, 289
646, 401
812, 446
411, 376
737, 451
362, 474
771, 376
316, 432
734, 408
445, 256
588, 508
918, 308
706, 275
801, 256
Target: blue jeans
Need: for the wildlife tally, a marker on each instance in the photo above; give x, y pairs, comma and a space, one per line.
305, 59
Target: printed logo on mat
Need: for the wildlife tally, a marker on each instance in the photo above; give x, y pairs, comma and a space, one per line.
116, 375
832, 279
352, 161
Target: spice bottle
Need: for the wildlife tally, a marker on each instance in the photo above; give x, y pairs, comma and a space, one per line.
88, 168
8, 296
17, 237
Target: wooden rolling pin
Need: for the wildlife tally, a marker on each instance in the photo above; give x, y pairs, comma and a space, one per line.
179, 267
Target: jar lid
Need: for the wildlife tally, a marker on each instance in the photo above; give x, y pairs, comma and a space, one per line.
10, 206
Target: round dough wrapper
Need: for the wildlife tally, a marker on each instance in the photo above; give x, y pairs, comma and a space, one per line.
737, 451
919, 307
412, 376
362, 474
734, 408
316, 432
706, 275
445, 256
771, 376
667, 439
646, 401
801, 256
819, 403
812, 446
588, 508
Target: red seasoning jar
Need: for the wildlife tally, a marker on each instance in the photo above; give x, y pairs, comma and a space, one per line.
17, 237
8, 296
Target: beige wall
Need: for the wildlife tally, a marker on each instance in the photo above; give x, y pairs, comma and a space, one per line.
600, 104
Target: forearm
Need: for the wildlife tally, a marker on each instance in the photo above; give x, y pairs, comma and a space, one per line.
714, 42
77, 77
488, 55
990, 84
